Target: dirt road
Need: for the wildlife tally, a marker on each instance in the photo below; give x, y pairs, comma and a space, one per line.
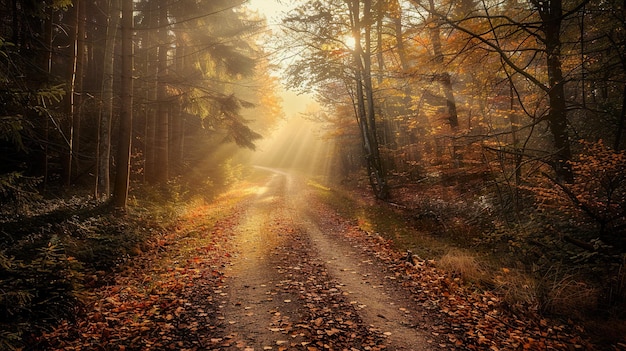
295, 283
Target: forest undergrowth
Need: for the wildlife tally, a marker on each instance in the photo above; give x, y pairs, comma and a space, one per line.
530, 261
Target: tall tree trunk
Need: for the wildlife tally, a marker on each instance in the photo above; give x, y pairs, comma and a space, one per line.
551, 15
97, 22
379, 41
78, 99
152, 54
380, 172
621, 124
514, 120
357, 54
46, 63
70, 108
389, 131
518, 151
122, 174
178, 119
103, 174
46, 67
162, 132
444, 76
364, 90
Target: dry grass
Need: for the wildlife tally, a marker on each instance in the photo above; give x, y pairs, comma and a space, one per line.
518, 290
462, 265
564, 294
554, 293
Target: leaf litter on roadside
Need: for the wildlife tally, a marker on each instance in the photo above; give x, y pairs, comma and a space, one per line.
162, 300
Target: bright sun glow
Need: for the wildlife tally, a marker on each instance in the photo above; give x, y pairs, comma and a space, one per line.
349, 41
271, 9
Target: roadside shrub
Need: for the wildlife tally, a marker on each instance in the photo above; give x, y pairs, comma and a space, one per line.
597, 196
